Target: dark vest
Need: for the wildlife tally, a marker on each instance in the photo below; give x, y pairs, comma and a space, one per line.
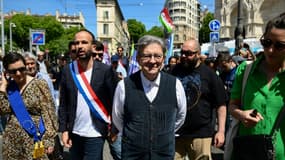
148, 131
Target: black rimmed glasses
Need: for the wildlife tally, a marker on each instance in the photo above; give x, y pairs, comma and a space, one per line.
14, 71
147, 57
188, 53
266, 43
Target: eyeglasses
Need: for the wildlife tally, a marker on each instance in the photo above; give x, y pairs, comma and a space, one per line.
266, 43
95, 54
73, 51
188, 53
14, 71
148, 57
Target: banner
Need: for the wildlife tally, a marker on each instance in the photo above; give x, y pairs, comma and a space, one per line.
165, 20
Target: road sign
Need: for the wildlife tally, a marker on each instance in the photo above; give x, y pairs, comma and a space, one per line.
38, 37
214, 36
215, 25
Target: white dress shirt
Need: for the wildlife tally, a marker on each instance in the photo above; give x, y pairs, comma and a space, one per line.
150, 89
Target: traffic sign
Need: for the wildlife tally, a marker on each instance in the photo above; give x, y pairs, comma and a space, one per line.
215, 25
38, 37
214, 36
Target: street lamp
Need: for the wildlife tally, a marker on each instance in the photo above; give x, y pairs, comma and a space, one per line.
11, 25
239, 31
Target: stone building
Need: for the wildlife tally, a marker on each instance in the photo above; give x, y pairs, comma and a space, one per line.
112, 29
185, 15
255, 14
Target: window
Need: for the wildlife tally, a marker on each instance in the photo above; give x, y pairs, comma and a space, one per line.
105, 29
106, 15
176, 37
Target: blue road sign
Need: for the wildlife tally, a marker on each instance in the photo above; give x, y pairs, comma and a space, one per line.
38, 38
215, 25
214, 36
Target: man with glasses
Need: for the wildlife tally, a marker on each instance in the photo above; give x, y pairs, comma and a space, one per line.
149, 106
98, 51
205, 95
72, 50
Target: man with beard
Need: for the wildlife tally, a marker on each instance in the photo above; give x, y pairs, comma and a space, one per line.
205, 94
86, 96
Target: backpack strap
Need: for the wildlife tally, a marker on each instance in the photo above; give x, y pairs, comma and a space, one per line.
245, 77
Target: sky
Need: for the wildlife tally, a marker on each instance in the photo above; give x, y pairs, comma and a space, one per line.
145, 11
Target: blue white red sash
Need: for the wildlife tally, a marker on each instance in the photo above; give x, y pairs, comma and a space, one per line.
96, 106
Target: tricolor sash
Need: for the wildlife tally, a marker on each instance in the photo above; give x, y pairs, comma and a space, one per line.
95, 105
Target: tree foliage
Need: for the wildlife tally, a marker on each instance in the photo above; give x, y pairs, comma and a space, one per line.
136, 29
204, 32
156, 31
56, 37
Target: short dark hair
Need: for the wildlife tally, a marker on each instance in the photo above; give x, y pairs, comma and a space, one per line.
71, 43
277, 22
120, 47
99, 45
12, 58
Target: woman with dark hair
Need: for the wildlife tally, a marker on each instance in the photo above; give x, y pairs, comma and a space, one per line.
32, 123
264, 91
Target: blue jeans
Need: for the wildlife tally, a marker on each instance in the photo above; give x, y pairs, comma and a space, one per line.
116, 148
86, 148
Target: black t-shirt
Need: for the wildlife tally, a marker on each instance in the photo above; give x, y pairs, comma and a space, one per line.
200, 119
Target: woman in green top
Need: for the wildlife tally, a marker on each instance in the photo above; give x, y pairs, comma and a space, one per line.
265, 87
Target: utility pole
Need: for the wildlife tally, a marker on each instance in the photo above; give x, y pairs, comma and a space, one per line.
239, 31
2, 29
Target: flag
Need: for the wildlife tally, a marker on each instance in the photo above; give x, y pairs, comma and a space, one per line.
165, 20
134, 65
106, 56
169, 45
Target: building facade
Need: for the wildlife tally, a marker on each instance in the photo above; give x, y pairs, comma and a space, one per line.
255, 14
70, 20
112, 29
185, 15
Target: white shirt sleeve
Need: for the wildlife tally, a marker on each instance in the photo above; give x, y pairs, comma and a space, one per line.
181, 102
118, 105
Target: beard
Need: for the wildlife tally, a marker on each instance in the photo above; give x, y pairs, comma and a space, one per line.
189, 64
85, 57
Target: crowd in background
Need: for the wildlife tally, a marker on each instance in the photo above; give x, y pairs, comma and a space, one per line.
163, 111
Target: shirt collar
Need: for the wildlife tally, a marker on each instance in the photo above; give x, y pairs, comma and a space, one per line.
147, 82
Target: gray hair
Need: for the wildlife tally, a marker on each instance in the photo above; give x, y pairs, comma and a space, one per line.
147, 40
28, 55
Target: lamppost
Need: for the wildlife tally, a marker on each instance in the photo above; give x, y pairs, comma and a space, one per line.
11, 25
239, 31
2, 29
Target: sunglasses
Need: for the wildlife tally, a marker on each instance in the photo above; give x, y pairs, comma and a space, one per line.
266, 43
73, 51
188, 53
14, 71
95, 54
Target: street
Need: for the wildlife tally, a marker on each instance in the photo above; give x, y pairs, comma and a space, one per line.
217, 153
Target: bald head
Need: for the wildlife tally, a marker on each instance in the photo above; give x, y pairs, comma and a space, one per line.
192, 45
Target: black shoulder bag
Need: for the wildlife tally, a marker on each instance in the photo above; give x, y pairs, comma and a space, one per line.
259, 147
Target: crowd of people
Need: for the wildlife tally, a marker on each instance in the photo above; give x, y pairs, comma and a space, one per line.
171, 111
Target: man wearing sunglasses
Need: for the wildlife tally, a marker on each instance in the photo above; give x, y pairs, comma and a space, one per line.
205, 95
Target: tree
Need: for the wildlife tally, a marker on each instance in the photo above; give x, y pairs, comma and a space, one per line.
56, 37
156, 31
136, 29
204, 32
